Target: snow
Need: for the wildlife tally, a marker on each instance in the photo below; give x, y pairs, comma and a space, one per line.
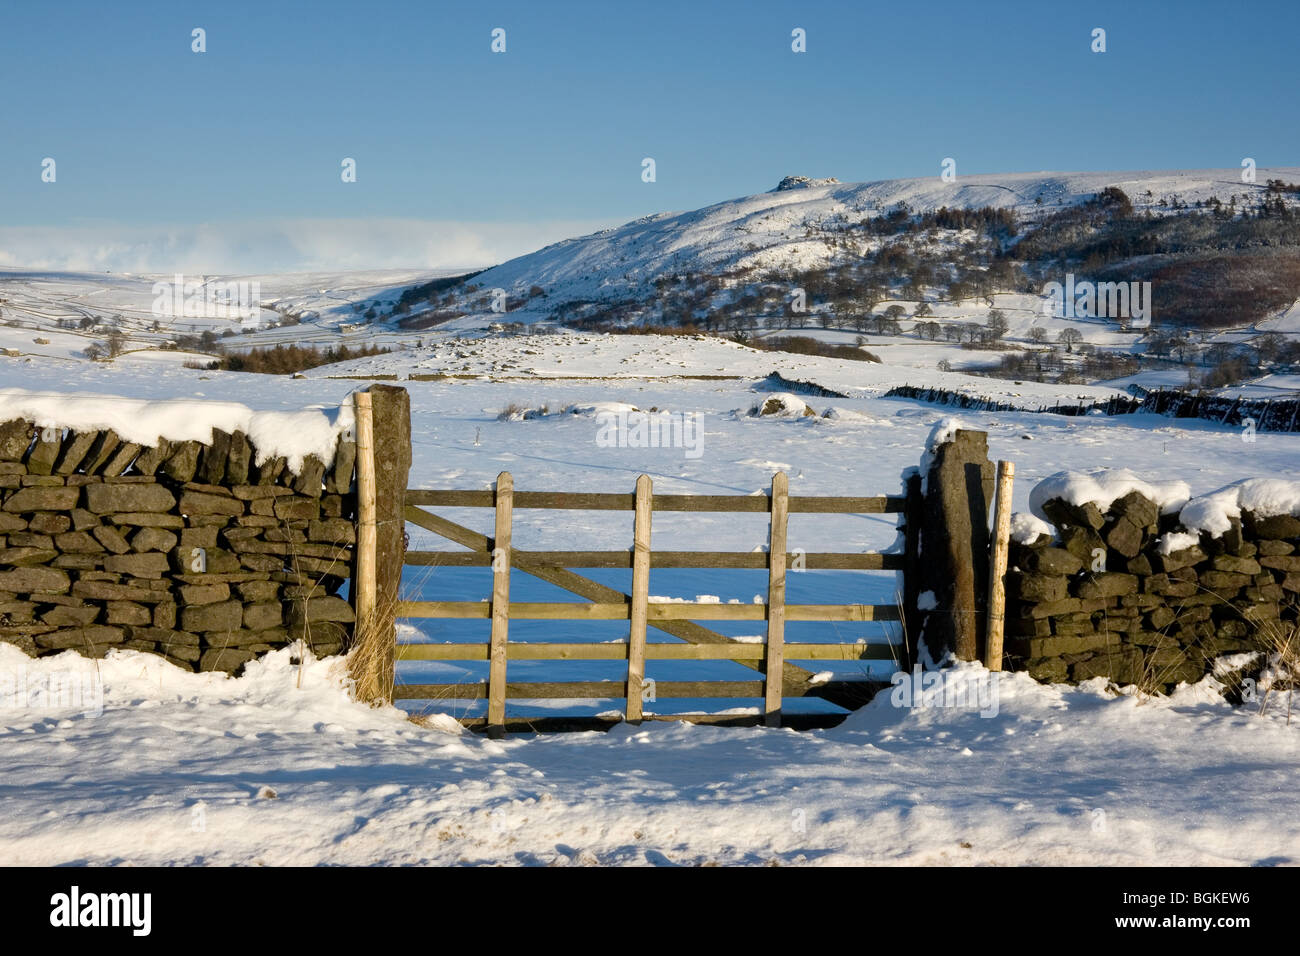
292, 435
783, 405
1175, 541
1026, 528
1265, 497
279, 767
1103, 486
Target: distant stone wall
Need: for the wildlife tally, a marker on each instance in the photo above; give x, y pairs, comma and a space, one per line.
1144, 617
187, 550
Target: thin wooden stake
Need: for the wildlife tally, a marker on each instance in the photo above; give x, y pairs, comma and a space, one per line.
640, 596
367, 528
775, 669
496, 716
997, 611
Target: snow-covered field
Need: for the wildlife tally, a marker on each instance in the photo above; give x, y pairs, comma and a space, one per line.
280, 767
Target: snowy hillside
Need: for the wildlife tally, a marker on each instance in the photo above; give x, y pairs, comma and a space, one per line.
773, 230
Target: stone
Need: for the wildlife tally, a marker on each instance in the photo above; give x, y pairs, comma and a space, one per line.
111, 538
153, 539
40, 460
238, 459
10, 522
64, 616
78, 542
258, 591
198, 503
1180, 559
309, 480
120, 460
1160, 618
259, 617
228, 659
111, 498
223, 616
296, 507
145, 519
212, 465
106, 443
48, 498
1270, 548
204, 537
25, 556
49, 522
269, 470
325, 608
1121, 666
1287, 563
80, 638
151, 565
1224, 580
1054, 561
246, 638
340, 477
1123, 537
1050, 670
199, 594
108, 591
167, 636
35, 580
25, 539
1056, 646
1229, 562
74, 451
148, 461
1065, 515
1106, 584
164, 615
182, 461
128, 612
1138, 509
1272, 527
15, 437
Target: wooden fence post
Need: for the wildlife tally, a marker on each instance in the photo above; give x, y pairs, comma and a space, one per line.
776, 550
913, 509
640, 597
383, 423
505, 494
955, 545
997, 610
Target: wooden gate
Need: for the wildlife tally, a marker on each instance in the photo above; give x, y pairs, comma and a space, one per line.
779, 680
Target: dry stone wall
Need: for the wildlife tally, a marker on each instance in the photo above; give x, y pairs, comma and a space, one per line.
1101, 599
188, 550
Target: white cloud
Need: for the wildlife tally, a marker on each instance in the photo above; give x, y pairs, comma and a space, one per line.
282, 245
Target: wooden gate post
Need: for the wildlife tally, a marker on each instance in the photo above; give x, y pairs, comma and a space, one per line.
640, 596
498, 651
997, 610
954, 565
776, 550
383, 424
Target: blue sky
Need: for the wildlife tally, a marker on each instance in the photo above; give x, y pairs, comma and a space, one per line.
232, 156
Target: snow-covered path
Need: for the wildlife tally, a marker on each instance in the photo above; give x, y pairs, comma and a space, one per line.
181, 768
